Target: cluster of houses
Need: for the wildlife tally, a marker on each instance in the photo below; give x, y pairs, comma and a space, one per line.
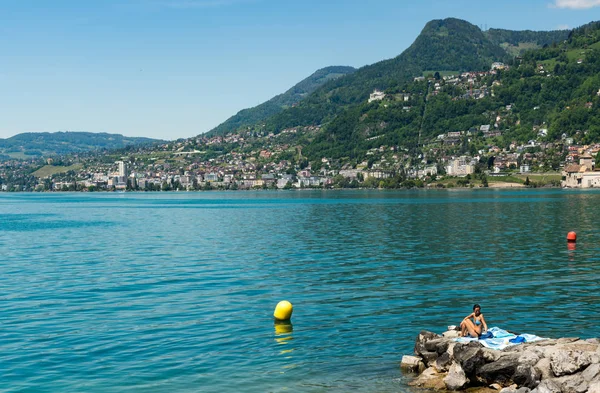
581, 171
247, 177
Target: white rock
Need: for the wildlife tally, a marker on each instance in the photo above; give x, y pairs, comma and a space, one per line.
591, 373
410, 362
548, 386
544, 368
430, 372
529, 357
594, 387
456, 378
569, 362
510, 389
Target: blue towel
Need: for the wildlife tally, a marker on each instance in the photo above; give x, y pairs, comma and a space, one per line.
500, 339
485, 335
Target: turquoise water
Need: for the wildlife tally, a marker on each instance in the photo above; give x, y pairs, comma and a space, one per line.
174, 292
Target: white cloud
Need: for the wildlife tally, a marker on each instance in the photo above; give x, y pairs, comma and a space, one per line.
563, 27
577, 4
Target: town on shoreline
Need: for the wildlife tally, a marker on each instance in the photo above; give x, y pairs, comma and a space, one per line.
181, 166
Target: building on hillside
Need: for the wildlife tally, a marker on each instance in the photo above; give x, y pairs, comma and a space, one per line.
460, 167
122, 168
376, 96
498, 66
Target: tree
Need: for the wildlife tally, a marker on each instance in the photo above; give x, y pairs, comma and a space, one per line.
527, 182
484, 181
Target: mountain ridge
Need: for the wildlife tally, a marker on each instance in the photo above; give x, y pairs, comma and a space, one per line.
281, 101
449, 44
66, 142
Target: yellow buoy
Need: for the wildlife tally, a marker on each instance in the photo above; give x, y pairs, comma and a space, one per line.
283, 311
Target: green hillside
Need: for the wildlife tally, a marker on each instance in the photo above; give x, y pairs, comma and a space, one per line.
516, 103
278, 103
446, 46
443, 45
517, 42
32, 144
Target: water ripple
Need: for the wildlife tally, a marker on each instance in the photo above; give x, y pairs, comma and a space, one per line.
159, 292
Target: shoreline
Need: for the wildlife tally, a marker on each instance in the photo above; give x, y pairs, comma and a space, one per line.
529, 365
499, 185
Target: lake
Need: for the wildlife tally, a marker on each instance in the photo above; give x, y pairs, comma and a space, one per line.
175, 292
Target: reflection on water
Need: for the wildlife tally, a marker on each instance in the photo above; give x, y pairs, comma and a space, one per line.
283, 336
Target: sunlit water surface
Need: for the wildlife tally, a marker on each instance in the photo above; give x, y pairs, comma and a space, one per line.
174, 292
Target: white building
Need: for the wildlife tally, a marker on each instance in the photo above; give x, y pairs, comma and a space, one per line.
376, 96
498, 66
460, 167
122, 168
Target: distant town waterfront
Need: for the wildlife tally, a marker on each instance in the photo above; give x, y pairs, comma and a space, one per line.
148, 292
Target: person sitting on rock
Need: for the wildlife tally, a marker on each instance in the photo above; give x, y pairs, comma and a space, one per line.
473, 328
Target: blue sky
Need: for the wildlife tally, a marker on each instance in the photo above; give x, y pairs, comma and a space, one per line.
176, 68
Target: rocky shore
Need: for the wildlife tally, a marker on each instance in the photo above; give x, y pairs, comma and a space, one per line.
565, 365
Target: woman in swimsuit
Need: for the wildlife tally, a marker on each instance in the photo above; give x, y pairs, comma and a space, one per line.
473, 327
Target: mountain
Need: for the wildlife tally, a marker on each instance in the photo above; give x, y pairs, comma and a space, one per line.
54, 143
547, 94
443, 45
280, 102
517, 42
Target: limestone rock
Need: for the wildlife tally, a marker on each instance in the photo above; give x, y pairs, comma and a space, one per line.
527, 376
572, 384
451, 349
594, 387
410, 363
593, 341
501, 371
591, 373
422, 338
438, 345
543, 366
469, 356
509, 389
456, 378
430, 379
530, 358
443, 362
547, 386
429, 357
569, 362
545, 343
491, 355
567, 340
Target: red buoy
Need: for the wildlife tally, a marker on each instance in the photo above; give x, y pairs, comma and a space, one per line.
571, 237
